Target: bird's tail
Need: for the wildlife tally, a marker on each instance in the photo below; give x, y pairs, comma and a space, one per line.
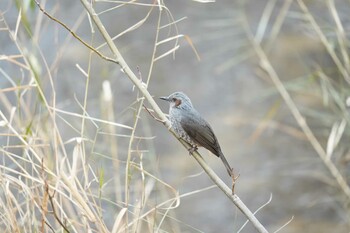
227, 165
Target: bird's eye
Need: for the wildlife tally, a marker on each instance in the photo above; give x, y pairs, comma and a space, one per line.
176, 101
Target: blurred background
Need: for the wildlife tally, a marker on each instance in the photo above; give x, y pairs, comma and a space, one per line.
58, 102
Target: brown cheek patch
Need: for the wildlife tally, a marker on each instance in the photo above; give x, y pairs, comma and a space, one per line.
177, 102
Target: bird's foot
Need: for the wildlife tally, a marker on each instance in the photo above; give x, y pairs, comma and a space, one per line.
192, 149
234, 178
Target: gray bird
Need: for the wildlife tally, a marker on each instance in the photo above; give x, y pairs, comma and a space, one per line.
191, 127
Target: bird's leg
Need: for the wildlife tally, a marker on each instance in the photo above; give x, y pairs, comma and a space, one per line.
234, 178
192, 149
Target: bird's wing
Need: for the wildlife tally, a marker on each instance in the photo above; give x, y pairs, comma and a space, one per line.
200, 132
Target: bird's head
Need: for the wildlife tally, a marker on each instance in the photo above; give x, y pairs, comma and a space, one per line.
178, 100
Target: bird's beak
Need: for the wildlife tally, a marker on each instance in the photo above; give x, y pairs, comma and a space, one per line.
164, 98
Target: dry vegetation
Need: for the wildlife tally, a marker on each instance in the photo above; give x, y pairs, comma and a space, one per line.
69, 171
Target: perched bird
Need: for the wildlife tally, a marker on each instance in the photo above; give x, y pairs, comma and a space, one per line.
191, 127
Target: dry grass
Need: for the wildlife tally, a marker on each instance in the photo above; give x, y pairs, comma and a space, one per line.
328, 87
54, 161
95, 171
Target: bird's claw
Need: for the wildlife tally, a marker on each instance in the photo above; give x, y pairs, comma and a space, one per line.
192, 149
234, 178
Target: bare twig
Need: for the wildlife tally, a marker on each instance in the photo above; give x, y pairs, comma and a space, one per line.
152, 115
74, 34
284, 225
256, 211
54, 209
45, 198
324, 40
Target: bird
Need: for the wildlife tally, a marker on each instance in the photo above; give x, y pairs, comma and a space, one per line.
189, 125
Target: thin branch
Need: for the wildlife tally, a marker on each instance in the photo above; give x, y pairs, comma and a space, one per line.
324, 40
44, 199
74, 34
284, 225
53, 208
152, 115
260, 208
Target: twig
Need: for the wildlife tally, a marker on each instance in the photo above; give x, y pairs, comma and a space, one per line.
45, 198
329, 46
48, 224
53, 208
152, 115
284, 225
256, 211
74, 34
